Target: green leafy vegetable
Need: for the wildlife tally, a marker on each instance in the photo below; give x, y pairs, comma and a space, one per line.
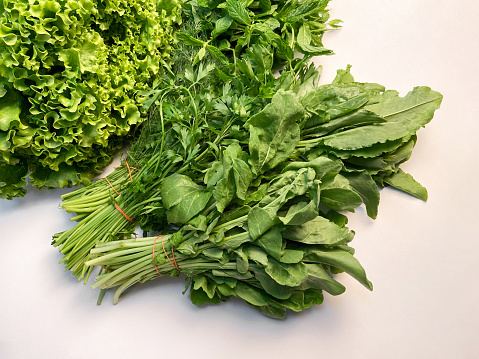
244, 163
68, 82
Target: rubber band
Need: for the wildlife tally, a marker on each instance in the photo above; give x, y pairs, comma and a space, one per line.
173, 254
154, 244
112, 186
164, 251
123, 213
129, 171
133, 168
163, 244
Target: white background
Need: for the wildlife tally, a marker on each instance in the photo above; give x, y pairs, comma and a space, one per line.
421, 257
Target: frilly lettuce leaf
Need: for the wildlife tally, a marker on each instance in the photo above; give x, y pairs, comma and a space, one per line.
69, 75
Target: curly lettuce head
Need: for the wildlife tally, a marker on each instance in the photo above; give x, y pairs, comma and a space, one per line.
69, 71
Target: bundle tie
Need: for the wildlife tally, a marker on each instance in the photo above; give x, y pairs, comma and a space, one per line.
112, 186
131, 180
129, 170
123, 213
164, 251
133, 168
131, 177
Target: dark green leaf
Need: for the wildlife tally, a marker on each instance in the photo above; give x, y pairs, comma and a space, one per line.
341, 260
199, 297
12, 180
406, 183
242, 177
260, 220
251, 295
232, 274
238, 12
291, 256
366, 136
339, 195
319, 231
189, 40
274, 132
323, 166
357, 118
272, 287
318, 278
290, 275
299, 12
271, 242
242, 264
224, 191
272, 311
363, 183
217, 54
413, 111
183, 198
256, 254
214, 253
221, 25
304, 36
300, 213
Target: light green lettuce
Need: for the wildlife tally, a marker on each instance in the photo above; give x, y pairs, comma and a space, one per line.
69, 73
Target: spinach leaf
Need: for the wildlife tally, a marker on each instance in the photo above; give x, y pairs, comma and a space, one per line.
183, 198
274, 132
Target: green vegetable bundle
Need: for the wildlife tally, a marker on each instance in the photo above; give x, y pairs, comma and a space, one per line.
243, 173
197, 108
68, 78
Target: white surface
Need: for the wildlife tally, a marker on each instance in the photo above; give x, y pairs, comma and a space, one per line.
421, 257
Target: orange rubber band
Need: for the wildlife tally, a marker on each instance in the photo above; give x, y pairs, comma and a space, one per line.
173, 254
164, 251
173, 264
123, 213
129, 171
112, 186
133, 168
154, 244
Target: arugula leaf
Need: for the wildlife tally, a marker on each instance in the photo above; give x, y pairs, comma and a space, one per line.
260, 220
224, 191
319, 231
365, 186
406, 183
272, 287
300, 213
318, 278
340, 259
251, 295
290, 275
338, 194
271, 242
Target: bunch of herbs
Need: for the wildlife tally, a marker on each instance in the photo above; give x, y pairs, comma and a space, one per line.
245, 174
